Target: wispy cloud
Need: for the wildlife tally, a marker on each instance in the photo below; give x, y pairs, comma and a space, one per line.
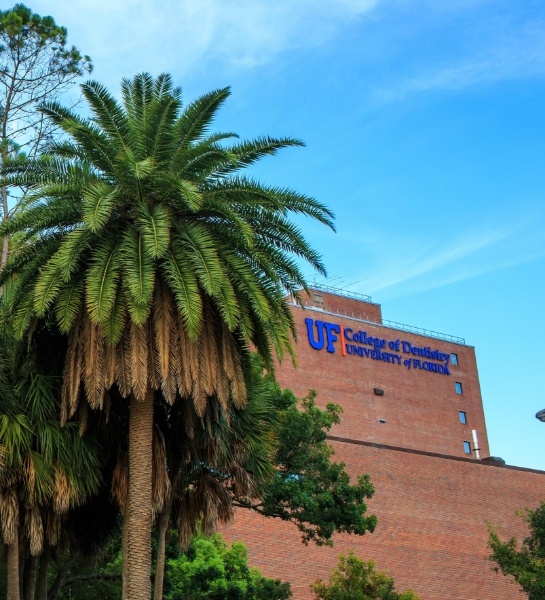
505, 51
179, 35
413, 267
410, 265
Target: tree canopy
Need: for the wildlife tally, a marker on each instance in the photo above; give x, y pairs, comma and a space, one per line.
355, 579
524, 562
210, 570
35, 65
308, 487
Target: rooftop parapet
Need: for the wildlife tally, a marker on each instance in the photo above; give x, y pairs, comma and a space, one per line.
360, 307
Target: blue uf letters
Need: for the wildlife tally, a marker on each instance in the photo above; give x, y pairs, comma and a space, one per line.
330, 330
322, 333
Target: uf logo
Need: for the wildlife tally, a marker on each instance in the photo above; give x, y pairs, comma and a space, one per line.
320, 326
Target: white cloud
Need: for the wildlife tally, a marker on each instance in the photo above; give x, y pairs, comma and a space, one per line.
506, 55
179, 35
412, 267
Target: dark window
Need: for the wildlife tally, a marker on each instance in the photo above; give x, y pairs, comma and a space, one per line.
467, 447
463, 417
454, 359
458, 387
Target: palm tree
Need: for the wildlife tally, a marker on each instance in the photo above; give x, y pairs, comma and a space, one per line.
158, 260
14, 440
47, 470
227, 457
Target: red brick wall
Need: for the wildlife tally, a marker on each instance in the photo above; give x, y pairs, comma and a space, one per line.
421, 409
432, 508
338, 304
431, 534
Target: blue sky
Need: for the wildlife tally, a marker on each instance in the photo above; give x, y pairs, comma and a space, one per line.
425, 130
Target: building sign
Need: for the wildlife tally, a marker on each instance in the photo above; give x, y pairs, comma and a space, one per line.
353, 343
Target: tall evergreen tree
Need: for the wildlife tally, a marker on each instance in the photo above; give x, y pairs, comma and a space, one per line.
158, 260
35, 64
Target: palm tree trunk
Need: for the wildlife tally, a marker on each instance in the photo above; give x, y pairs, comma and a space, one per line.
139, 506
23, 549
13, 570
42, 575
162, 534
124, 554
30, 577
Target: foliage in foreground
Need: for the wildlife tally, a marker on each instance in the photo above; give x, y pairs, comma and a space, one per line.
306, 488
210, 570
207, 570
524, 563
310, 489
356, 579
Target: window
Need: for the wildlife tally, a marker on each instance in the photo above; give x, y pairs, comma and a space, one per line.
467, 447
318, 300
458, 387
454, 359
463, 417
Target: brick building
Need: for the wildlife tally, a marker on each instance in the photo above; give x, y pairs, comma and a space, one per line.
413, 419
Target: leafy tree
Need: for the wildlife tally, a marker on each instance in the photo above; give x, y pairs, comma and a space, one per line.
525, 563
355, 579
159, 262
309, 489
35, 65
209, 570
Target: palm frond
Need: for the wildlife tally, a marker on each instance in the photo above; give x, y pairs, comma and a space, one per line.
198, 116
68, 303
183, 283
99, 201
113, 326
96, 144
102, 279
108, 114
200, 251
154, 225
249, 152
47, 287
138, 275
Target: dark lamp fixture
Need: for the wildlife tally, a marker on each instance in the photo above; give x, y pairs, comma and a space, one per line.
540, 415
